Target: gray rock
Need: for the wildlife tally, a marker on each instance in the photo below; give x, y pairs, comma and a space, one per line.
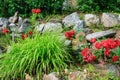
87, 31
100, 34
51, 76
71, 20
78, 26
107, 68
112, 68
50, 27
91, 19
3, 22
109, 20
25, 26
68, 42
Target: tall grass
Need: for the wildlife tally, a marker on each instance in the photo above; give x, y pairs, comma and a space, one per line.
41, 54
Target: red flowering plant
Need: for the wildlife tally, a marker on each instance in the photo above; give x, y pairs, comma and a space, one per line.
7, 38
36, 13
69, 34
105, 50
108, 50
28, 34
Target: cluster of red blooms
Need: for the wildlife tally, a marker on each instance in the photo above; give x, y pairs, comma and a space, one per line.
5, 31
36, 11
26, 35
87, 56
69, 34
107, 45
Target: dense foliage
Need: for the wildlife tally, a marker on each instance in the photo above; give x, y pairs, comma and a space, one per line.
35, 56
55, 6
25, 6
98, 5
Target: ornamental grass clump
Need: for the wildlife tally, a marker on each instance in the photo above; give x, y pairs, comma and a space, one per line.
41, 54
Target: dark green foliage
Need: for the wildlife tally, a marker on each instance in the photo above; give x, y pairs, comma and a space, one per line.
24, 6
98, 5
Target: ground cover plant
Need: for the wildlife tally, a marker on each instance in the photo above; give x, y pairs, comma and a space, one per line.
41, 54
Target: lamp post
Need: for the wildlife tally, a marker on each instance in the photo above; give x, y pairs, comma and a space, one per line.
13, 28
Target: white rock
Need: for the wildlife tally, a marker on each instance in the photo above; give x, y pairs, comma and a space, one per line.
40, 27
91, 19
100, 34
50, 27
71, 20
109, 20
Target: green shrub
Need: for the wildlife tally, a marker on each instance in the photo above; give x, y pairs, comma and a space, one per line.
35, 56
24, 6
98, 5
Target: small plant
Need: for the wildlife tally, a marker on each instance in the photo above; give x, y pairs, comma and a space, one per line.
36, 13
41, 54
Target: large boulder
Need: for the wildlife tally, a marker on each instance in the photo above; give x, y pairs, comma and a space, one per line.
91, 19
50, 27
109, 20
101, 34
71, 20
78, 26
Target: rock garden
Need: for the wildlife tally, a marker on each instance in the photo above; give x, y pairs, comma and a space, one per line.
66, 41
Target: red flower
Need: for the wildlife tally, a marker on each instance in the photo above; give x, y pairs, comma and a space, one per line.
92, 40
5, 30
104, 44
24, 36
85, 52
69, 34
97, 45
115, 58
87, 56
33, 11
38, 11
107, 52
30, 32
93, 57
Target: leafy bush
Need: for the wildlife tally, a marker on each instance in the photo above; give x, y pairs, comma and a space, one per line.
33, 56
25, 6
98, 5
